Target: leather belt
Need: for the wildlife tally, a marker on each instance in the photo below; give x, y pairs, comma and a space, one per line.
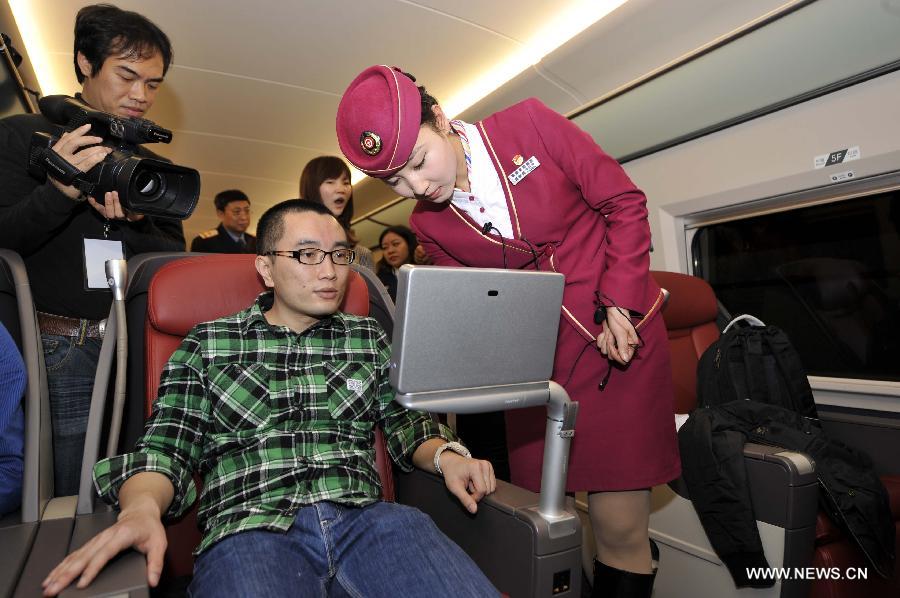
75, 327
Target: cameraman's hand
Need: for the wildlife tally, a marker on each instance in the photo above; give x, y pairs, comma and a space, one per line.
139, 526
69, 147
112, 209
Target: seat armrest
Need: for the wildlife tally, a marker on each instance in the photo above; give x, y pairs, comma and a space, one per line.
47, 550
16, 541
507, 538
783, 486
125, 575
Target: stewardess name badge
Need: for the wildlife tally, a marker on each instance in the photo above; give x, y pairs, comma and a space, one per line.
524, 170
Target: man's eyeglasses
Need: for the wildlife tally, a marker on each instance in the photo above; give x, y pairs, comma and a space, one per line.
313, 257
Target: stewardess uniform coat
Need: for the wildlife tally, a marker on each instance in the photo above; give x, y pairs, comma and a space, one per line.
586, 219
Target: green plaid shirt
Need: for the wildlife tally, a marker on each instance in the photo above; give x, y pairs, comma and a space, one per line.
272, 420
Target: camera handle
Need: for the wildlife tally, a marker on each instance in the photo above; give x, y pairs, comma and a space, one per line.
43, 159
59, 168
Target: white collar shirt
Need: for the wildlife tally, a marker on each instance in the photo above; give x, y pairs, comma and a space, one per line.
486, 201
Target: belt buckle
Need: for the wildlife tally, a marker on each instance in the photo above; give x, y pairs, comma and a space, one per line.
101, 326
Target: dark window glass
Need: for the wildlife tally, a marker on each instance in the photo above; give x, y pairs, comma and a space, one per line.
829, 275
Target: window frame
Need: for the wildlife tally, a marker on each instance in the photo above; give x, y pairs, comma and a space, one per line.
856, 393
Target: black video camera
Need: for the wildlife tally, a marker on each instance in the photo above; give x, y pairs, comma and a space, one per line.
145, 185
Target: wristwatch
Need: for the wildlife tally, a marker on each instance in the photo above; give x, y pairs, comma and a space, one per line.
453, 446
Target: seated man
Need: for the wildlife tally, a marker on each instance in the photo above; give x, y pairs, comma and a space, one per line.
276, 408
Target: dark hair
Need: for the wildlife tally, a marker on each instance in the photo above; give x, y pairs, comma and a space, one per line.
102, 30
317, 171
223, 198
270, 227
411, 242
428, 101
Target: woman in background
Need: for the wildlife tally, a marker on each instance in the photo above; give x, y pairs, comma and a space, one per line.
326, 180
398, 246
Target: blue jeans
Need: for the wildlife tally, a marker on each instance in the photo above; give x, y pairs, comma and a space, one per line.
70, 380
383, 549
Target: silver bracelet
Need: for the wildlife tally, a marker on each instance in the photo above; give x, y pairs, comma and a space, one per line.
453, 446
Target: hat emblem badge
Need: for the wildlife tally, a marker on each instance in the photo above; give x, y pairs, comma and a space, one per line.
370, 143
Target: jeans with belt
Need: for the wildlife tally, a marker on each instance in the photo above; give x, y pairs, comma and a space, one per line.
71, 366
382, 549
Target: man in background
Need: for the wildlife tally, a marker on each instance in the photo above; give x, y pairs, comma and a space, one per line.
231, 236
65, 236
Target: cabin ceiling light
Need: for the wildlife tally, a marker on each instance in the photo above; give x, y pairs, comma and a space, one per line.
563, 26
49, 80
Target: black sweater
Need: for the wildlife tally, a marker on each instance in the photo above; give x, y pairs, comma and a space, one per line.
47, 228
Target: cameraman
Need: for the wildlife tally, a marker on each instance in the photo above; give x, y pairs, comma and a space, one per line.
120, 61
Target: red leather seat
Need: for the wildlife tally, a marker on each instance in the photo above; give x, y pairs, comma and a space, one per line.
835, 549
186, 292
692, 329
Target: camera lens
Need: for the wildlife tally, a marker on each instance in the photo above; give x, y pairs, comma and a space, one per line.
148, 183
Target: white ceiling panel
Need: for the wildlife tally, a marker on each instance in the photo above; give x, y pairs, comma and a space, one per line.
530, 83
250, 160
255, 85
315, 44
643, 35
293, 116
519, 20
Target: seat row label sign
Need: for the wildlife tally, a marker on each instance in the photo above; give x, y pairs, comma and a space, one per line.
836, 157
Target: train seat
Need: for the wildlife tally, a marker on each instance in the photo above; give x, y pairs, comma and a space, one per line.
228, 284
783, 487
514, 548
834, 549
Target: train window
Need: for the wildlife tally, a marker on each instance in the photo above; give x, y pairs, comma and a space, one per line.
829, 275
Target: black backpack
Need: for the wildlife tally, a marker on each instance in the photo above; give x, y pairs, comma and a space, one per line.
754, 362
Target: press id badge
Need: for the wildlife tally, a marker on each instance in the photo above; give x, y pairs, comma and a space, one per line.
96, 252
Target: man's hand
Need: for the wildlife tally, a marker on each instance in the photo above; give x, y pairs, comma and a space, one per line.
144, 497
69, 147
139, 527
469, 480
618, 339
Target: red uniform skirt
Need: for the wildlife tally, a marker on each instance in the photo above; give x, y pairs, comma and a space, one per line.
625, 434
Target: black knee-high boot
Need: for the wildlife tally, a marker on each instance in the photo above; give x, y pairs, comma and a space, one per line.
610, 582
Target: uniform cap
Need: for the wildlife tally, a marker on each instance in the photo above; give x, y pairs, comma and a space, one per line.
378, 120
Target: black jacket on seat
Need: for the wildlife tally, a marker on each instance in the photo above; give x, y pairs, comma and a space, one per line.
712, 442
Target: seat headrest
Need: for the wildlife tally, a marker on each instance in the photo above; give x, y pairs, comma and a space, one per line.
692, 301
198, 289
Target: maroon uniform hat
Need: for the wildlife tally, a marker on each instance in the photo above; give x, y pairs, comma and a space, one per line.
378, 120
